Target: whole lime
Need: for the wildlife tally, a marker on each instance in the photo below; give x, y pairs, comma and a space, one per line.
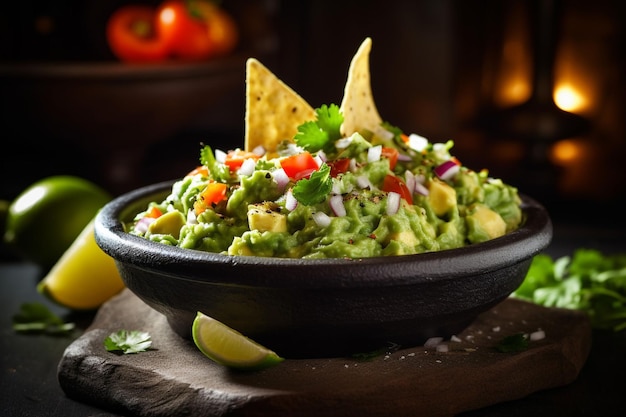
45, 218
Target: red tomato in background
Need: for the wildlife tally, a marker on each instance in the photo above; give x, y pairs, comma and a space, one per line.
222, 28
393, 183
132, 37
184, 33
190, 30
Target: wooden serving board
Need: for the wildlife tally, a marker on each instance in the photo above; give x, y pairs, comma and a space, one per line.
174, 378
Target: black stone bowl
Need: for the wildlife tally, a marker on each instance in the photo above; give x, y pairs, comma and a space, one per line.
327, 307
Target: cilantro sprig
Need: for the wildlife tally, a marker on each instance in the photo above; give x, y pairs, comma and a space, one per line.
588, 280
314, 189
128, 341
218, 171
319, 135
38, 318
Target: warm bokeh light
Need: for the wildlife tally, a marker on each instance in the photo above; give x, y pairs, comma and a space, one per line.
566, 151
568, 98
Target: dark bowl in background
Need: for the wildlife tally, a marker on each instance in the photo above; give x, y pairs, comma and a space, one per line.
112, 112
321, 308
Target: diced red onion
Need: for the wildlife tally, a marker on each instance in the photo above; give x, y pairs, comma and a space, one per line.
220, 156
290, 201
281, 178
142, 225
393, 203
247, 167
421, 188
447, 170
322, 156
374, 153
336, 205
321, 218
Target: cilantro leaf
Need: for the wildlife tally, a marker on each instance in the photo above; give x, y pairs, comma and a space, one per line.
311, 137
320, 134
126, 341
37, 318
314, 189
514, 343
218, 171
329, 119
588, 281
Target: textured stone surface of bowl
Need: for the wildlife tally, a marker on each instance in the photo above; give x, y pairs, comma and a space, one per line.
328, 307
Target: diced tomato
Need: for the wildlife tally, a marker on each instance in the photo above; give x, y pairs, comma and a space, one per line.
199, 170
234, 159
214, 193
392, 155
338, 166
404, 137
394, 183
299, 166
154, 213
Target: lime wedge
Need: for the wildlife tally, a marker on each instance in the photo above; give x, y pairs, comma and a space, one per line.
228, 347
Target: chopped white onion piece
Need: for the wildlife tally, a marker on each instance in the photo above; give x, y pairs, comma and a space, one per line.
322, 155
363, 182
442, 347
290, 201
259, 150
321, 218
220, 156
281, 178
191, 217
343, 143
374, 153
247, 167
404, 157
336, 205
353, 165
447, 170
420, 178
336, 188
318, 160
393, 203
417, 142
433, 342
537, 335
383, 133
409, 180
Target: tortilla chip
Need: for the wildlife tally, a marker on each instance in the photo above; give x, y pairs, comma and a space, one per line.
273, 110
358, 107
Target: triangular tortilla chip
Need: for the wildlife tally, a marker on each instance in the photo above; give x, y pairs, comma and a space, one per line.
273, 110
358, 107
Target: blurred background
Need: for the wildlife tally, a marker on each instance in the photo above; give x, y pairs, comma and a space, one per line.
533, 90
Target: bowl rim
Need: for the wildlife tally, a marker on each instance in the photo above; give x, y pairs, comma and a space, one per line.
534, 235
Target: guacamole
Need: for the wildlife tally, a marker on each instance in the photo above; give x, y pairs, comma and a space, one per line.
323, 195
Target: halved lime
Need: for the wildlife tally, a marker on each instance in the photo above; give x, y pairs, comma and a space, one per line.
228, 347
